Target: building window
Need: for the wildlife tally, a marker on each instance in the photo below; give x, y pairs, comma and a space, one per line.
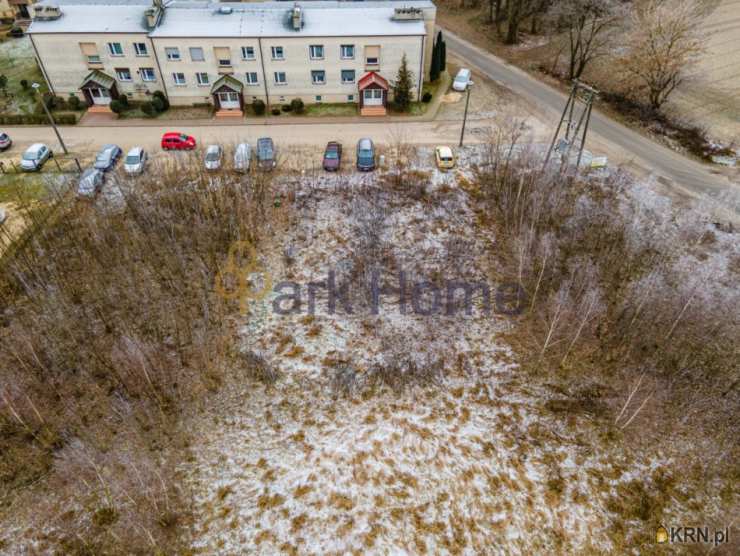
115, 49
178, 78
248, 53
90, 52
318, 77
123, 74
147, 74
316, 51
223, 56
196, 54
372, 55
348, 76
347, 52
172, 52
350, 98
140, 49
202, 78
278, 53
280, 78
252, 78
318, 98
93, 59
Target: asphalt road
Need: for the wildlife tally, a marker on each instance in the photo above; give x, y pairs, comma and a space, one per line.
684, 173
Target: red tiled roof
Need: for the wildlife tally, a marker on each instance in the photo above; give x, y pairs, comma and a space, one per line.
372, 78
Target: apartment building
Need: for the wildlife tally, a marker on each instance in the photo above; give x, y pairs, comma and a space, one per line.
230, 54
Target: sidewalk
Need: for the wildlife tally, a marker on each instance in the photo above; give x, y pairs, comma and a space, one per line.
92, 120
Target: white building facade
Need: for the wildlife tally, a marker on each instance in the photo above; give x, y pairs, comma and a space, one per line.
231, 54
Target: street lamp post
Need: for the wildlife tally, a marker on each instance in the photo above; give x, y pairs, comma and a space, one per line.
36, 87
465, 114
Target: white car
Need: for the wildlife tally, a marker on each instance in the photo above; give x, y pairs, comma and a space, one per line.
242, 157
35, 157
90, 183
214, 154
135, 161
462, 80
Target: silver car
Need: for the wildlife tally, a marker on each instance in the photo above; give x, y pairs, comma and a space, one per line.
135, 161
91, 181
214, 154
35, 157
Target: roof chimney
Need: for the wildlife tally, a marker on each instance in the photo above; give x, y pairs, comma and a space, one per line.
296, 16
154, 14
46, 12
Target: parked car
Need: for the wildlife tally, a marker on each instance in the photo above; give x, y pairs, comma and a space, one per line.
445, 158
16, 32
135, 161
266, 153
333, 156
107, 157
5, 141
91, 182
174, 140
214, 154
462, 80
365, 155
35, 157
242, 157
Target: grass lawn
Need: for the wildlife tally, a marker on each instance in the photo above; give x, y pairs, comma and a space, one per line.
17, 63
23, 188
331, 109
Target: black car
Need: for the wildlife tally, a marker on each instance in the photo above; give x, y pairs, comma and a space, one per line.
17, 32
332, 156
5, 141
107, 157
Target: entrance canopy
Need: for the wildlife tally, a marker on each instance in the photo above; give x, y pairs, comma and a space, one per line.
96, 79
227, 83
372, 80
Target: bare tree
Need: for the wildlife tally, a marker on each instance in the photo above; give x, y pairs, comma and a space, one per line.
589, 24
662, 46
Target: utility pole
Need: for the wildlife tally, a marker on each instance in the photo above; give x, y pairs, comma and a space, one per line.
36, 87
580, 92
465, 114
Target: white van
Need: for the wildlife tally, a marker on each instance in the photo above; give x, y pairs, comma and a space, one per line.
242, 155
461, 80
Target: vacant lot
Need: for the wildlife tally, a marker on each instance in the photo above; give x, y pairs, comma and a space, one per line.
17, 63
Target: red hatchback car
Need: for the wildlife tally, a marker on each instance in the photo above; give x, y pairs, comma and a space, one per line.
174, 140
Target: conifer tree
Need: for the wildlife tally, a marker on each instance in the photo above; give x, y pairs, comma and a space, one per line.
403, 86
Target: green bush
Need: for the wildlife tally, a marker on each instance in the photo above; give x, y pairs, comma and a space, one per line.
123, 99
297, 105
165, 103
158, 104
148, 108
24, 83
286, 107
36, 119
74, 102
426, 97
259, 107
116, 106
275, 111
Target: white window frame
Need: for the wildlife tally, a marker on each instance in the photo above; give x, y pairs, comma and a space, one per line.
202, 54
172, 53
247, 79
200, 81
312, 54
139, 52
93, 59
245, 56
354, 77
315, 73
277, 81
144, 71
176, 81
112, 51
122, 79
341, 51
274, 52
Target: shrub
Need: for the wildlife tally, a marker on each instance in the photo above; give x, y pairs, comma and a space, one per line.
116, 106
158, 104
148, 108
163, 97
297, 105
36, 119
259, 107
74, 102
426, 97
286, 108
24, 83
123, 99
275, 111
